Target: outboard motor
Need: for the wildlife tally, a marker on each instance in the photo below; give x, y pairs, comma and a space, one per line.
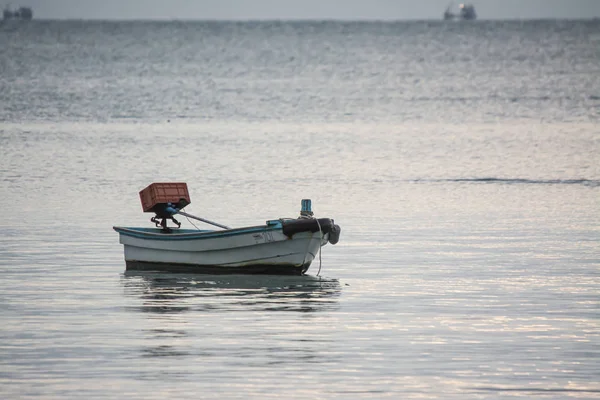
165, 199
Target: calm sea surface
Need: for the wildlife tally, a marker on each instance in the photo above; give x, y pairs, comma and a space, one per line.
462, 161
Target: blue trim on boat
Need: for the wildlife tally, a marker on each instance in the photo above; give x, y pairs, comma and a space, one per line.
189, 234
158, 230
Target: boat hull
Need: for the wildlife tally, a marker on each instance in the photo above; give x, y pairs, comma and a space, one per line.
268, 249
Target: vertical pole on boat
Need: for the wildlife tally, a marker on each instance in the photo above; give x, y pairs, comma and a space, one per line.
306, 208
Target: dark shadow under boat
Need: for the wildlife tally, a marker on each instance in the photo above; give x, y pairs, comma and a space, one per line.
257, 269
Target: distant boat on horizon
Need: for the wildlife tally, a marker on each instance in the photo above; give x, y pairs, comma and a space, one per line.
22, 13
466, 12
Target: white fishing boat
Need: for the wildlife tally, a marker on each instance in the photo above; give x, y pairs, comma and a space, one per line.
280, 246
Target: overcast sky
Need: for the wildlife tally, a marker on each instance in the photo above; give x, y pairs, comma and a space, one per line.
303, 9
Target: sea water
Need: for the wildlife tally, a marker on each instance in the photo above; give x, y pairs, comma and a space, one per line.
460, 159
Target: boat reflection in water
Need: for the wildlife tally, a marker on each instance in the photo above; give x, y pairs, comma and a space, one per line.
176, 293
208, 320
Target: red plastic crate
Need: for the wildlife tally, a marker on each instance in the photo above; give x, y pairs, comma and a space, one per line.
160, 193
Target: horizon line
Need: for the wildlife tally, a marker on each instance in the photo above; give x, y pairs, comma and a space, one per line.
386, 20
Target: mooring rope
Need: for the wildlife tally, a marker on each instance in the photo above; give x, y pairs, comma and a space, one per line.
320, 244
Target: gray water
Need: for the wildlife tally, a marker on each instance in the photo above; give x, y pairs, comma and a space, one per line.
461, 161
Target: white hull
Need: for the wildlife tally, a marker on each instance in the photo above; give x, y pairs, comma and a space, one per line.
254, 249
